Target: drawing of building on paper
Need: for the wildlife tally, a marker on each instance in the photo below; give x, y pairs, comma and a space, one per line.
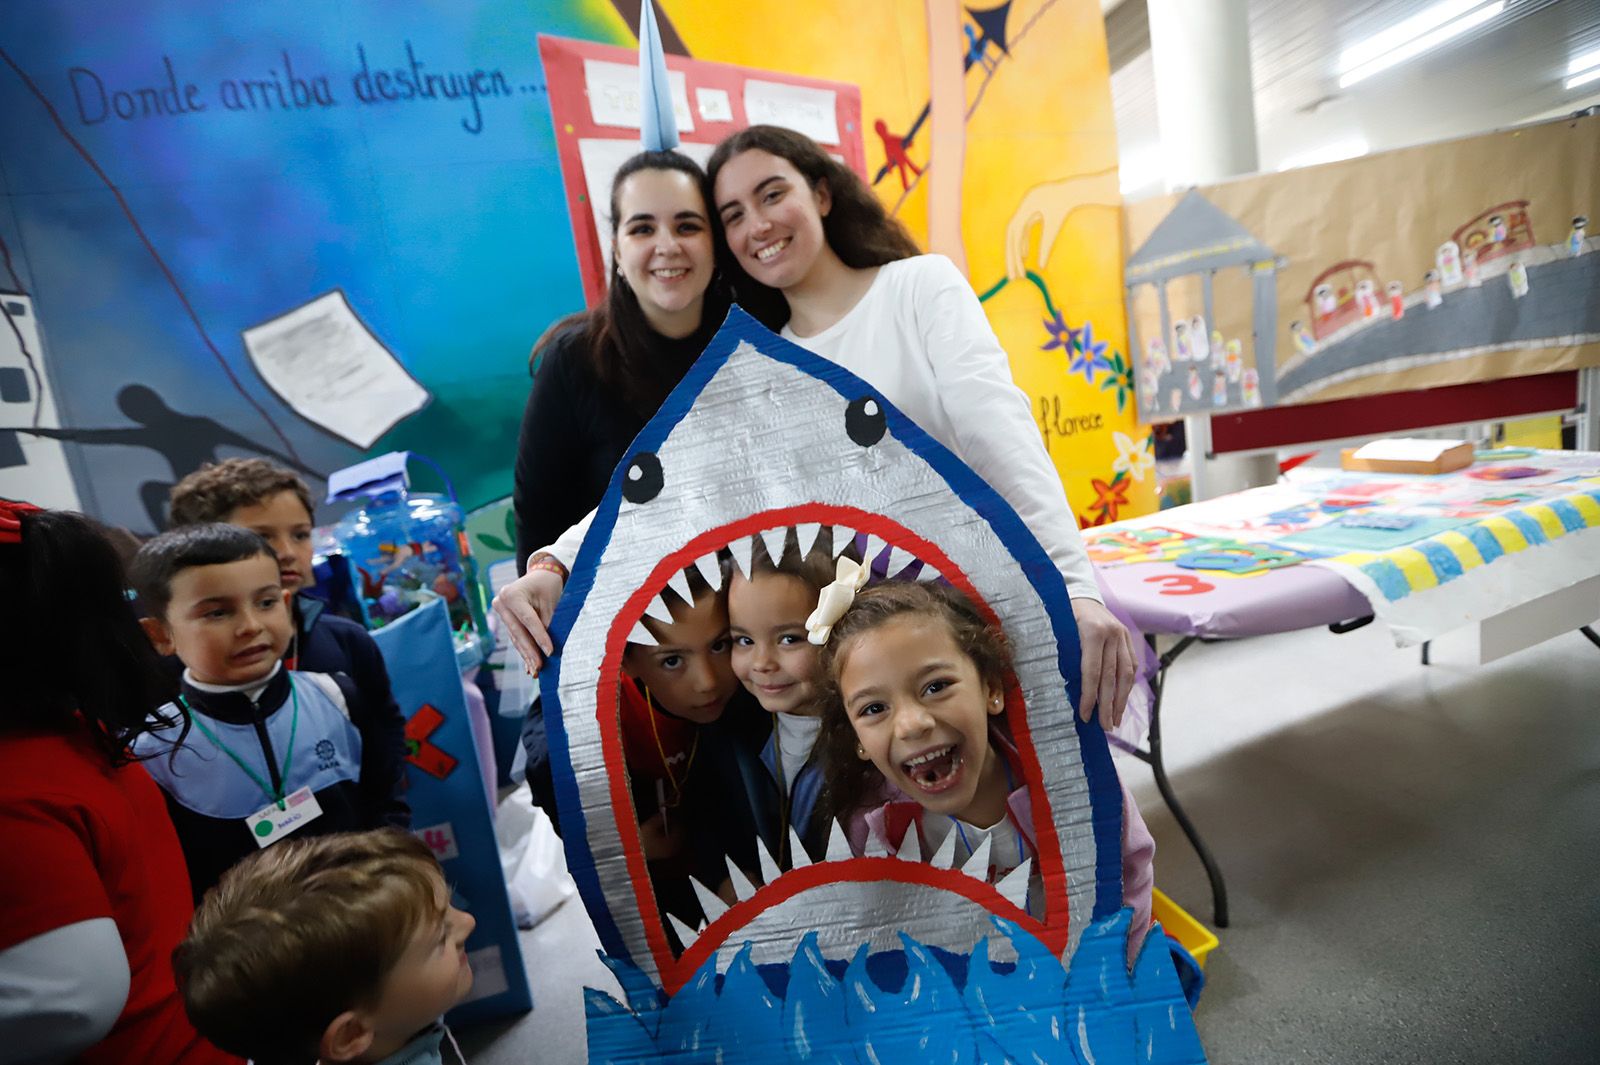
1197, 239
32, 467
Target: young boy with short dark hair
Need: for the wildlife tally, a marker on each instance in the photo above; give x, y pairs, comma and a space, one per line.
267, 752
342, 948
274, 502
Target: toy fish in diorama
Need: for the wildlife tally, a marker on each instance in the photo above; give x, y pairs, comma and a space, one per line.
1304, 342
1432, 289
1200, 346
1575, 237
1397, 300
765, 440
1233, 362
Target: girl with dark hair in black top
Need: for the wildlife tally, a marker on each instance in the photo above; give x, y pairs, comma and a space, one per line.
599, 376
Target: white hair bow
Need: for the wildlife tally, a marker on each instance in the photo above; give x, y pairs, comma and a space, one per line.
835, 599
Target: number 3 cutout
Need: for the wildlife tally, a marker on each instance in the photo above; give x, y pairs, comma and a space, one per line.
1181, 584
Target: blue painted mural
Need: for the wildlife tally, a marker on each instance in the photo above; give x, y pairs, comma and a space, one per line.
176, 173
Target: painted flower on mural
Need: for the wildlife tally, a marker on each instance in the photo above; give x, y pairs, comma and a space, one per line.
1089, 355
1062, 335
1109, 498
1134, 459
1119, 378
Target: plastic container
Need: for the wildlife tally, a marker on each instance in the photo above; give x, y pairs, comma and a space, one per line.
1195, 937
408, 548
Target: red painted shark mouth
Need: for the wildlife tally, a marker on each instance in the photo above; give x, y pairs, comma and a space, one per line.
903, 555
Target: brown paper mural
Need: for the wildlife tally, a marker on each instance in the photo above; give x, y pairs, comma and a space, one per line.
1466, 260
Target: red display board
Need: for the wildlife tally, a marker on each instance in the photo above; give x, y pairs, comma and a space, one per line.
716, 96
1391, 412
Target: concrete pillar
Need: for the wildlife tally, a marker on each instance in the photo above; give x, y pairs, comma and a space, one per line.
1205, 105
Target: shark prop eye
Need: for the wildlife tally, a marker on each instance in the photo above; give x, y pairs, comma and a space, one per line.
864, 421
643, 481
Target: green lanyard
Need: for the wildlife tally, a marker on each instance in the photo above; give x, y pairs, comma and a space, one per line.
266, 789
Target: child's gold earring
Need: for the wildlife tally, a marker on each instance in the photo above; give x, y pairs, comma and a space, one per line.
861, 752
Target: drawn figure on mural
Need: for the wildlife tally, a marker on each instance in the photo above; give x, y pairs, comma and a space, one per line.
1150, 386
1196, 388
1327, 302
1497, 229
977, 48
1181, 350
1304, 342
1219, 389
894, 152
1432, 288
1517, 278
1175, 399
1216, 344
1199, 344
1367, 297
1448, 263
185, 441
1469, 267
1233, 361
1157, 356
1252, 387
1397, 300
1575, 238
1448, 260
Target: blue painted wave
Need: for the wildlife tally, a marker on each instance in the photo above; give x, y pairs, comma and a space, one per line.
916, 1004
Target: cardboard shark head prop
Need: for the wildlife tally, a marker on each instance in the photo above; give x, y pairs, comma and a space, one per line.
762, 437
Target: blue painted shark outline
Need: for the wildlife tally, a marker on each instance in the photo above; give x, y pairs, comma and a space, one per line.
719, 422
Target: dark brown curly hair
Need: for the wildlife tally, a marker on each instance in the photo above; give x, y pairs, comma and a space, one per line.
858, 228
216, 490
850, 778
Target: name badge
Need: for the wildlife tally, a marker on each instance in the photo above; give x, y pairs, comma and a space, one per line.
271, 824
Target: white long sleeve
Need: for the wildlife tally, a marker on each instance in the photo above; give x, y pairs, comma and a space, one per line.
61, 992
565, 549
921, 338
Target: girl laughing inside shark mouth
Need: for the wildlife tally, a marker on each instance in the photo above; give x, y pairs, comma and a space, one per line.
917, 761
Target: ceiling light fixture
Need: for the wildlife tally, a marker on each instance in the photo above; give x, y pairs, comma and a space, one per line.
1401, 32
1416, 46
1584, 62
1584, 79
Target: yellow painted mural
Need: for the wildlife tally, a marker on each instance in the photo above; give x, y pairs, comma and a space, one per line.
1036, 207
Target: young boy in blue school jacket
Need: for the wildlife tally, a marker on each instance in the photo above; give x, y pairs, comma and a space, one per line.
259, 752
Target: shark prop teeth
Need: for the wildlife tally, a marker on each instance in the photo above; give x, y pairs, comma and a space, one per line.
760, 438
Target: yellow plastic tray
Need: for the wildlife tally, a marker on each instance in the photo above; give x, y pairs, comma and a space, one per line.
1196, 938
